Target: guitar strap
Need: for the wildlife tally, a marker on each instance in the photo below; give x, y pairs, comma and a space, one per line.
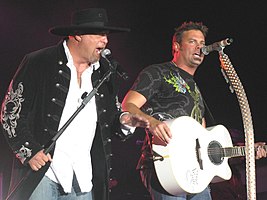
209, 114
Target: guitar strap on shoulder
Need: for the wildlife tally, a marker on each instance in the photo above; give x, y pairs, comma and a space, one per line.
209, 114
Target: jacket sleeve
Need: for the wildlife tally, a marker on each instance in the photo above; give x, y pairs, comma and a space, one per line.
16, 112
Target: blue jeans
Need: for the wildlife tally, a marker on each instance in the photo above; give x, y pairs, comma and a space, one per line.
204, 195
48, 189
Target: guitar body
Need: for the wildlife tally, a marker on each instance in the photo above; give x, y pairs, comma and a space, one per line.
187, 166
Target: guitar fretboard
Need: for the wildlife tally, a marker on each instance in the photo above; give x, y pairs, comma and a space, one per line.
237, 151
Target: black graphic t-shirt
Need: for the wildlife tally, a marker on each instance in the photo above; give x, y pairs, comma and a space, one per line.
170, 92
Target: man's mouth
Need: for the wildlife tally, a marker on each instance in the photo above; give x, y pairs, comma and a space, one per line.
99, 50
197, 56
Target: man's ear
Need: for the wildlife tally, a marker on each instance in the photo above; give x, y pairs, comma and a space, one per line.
176, 46
78, 38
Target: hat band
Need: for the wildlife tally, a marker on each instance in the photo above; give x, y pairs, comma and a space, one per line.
98, 24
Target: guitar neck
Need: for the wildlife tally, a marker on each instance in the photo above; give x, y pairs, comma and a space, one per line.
237, 151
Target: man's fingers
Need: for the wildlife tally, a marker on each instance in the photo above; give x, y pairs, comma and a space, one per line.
39, 160
165, 132
49, 157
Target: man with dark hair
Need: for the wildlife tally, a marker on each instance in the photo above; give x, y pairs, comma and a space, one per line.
161, 99
167, 91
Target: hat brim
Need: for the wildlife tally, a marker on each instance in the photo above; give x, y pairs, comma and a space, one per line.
82, 30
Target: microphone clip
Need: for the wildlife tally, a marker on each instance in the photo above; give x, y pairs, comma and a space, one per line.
216, 46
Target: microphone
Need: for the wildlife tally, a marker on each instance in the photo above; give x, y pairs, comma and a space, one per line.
216, 46
106, 54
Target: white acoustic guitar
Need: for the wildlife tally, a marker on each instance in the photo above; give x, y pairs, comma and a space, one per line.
195, 156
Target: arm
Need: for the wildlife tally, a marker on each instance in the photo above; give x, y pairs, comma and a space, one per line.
204, 122
16, 117
132, 103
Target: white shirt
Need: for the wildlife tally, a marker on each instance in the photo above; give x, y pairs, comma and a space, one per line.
72, 150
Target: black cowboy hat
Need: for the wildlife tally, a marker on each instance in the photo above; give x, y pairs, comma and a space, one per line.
87, 21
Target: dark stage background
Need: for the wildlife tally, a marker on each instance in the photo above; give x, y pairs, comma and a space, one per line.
24, 28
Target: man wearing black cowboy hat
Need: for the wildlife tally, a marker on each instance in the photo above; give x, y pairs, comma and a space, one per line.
46, 90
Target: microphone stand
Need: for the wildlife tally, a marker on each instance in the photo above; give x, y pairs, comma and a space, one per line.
236, 85
83, 104
52, 143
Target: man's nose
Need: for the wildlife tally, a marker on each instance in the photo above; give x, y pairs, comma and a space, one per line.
199, 46
105, 39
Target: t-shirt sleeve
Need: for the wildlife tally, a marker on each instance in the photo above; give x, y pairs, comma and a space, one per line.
148, 81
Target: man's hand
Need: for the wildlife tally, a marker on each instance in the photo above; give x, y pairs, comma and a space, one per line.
160, 131
134, 120
260, 151
39, 160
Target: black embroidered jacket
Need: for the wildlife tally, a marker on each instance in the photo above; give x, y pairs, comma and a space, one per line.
32, 109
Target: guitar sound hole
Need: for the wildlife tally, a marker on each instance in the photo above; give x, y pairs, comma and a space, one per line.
215, 153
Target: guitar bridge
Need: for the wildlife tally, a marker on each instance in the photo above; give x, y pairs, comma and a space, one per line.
198, 154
